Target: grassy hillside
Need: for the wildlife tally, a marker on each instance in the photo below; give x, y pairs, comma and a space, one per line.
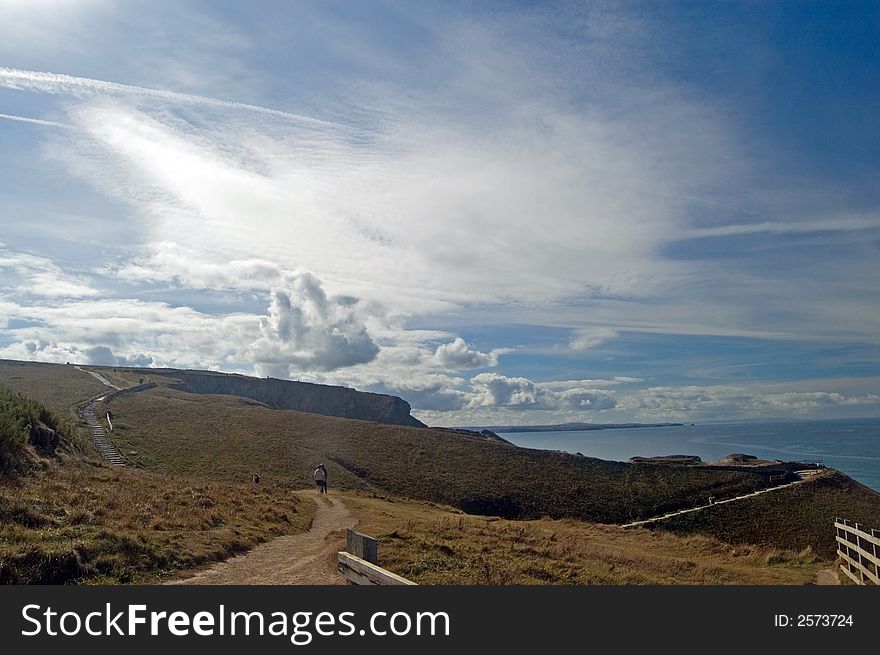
74, 519
65, 518
435, 545
58, 386
790, 518
81, 522
221, 437
25, 421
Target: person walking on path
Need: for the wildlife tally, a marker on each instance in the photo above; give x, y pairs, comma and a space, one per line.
321, 478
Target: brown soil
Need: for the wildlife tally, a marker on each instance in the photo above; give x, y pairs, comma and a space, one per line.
827, 577
305, 558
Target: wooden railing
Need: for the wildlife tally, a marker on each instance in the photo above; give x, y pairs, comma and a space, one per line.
359, 565
859, 548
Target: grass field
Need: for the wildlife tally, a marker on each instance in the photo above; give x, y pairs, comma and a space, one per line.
223, 437
436, 545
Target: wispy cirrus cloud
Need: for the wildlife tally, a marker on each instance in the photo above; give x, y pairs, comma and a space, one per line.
60, 83
479, 174
39, 276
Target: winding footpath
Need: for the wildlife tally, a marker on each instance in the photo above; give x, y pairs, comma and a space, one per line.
100, 378
307, 558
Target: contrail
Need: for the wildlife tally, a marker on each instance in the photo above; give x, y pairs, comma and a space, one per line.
35, 121
57, 83
834, 224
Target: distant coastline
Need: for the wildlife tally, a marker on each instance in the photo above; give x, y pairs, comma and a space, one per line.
572, 427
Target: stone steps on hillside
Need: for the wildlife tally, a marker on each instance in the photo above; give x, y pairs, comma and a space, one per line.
99, 437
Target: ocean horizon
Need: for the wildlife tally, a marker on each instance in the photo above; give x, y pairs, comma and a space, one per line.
851, 446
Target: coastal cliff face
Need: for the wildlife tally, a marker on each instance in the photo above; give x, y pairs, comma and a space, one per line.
302, 396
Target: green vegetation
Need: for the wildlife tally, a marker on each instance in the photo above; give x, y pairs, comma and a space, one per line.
435, 545
23, 421
223, 437
790, 518
80, 522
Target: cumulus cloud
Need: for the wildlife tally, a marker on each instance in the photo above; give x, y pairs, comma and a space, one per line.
425, 396
103, 356
496, 390
308, 330
459, 355
587, 399
134, 330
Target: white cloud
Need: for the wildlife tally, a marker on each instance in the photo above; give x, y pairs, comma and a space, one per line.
186, 267
309, 331
103, 356
735, 402
496, 390
133, 330
459, 355
45, 82
33, 121
587, 399
586, 338
40, 276
833, 224
588, 384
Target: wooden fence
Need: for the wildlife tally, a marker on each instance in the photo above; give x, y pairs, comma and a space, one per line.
859, 547
359, 565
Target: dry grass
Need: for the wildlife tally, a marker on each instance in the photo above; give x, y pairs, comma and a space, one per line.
796, 517
74, 521
59, 386
435, 545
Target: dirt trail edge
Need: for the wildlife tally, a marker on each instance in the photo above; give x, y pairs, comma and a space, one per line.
305, 558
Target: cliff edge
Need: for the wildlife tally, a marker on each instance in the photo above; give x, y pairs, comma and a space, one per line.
299, 396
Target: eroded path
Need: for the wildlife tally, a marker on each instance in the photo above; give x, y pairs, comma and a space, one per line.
305, 558
100, 378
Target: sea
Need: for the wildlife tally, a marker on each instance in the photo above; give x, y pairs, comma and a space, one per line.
848, 445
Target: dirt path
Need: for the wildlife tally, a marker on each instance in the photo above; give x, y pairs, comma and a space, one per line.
827, 577
100, 378
305, 558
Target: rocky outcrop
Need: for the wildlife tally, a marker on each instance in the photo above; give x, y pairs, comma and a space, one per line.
300, 396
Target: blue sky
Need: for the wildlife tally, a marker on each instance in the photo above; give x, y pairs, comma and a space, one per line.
502, 212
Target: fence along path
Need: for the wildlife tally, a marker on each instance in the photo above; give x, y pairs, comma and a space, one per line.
859, 548
359, 563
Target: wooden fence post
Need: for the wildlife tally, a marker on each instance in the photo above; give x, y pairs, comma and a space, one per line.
363, 546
